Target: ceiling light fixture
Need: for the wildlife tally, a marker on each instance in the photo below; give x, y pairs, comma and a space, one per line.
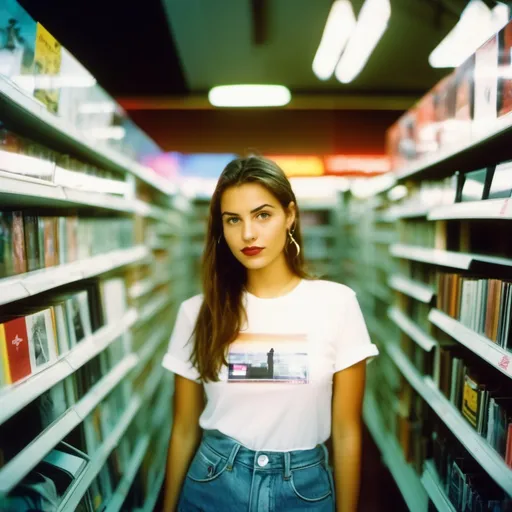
371, 24
249, 96
338, 28
476, 25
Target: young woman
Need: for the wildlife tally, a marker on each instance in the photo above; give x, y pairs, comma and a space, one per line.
269, 364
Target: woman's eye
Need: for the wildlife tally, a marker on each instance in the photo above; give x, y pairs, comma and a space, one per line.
264, 215
232, 220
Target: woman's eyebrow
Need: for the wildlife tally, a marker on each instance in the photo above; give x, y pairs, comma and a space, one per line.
252, 211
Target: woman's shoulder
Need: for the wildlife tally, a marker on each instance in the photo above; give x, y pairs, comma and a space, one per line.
191, 306
330, 290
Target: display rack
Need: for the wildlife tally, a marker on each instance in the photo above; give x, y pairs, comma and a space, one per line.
155, 278
421, 246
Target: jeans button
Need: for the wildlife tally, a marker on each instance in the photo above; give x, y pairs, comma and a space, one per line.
262, 461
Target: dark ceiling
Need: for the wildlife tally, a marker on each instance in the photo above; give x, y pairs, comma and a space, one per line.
175, 48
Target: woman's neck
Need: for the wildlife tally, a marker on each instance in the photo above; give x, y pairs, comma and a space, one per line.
272, 281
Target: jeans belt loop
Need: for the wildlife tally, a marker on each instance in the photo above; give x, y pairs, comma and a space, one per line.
326, 455
232, 456
287, 466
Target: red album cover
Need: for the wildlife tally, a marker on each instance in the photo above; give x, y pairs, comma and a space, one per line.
505, 66
16, 340
18, 244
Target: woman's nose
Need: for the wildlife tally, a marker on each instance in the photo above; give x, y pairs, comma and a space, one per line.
248, 232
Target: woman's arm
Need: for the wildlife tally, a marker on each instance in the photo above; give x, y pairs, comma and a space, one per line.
185, 437
347, 405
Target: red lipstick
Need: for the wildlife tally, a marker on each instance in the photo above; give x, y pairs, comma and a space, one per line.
252, 251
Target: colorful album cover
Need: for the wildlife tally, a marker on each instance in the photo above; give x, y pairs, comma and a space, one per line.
41, 339
271, 358
17, 38
72, 238
6, 252
486, 87
52, 404
505, 66
446, 109
48, 225
16, 341
18, 243
47, 63
77, 310
32, 241
464, 76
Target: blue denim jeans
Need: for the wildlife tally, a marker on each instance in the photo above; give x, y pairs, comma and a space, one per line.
225, 476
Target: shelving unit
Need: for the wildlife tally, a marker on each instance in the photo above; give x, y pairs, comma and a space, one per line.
434, 488
32, 283
16, 397
483, 453
424, 340
128, 291
496, 356
496, 135
36, 118
446, 264
412, 288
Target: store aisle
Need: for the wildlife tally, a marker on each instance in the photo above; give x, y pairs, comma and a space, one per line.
379, 492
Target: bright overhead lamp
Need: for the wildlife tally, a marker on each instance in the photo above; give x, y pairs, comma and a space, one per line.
338, 28
371, 24
249, 96
476, 25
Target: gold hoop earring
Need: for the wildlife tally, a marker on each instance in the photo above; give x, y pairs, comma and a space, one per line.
293, 241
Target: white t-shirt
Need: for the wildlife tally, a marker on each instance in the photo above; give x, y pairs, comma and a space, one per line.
276, 393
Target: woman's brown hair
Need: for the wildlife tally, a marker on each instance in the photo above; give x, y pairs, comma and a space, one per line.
224, 277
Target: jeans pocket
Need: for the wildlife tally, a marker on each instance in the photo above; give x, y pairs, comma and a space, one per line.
206, 465
312, 483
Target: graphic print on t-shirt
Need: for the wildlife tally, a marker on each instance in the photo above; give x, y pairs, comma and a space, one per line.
276, 358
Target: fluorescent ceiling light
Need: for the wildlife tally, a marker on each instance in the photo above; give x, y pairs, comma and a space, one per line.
371, 24
338, 28
476, 25
249, 96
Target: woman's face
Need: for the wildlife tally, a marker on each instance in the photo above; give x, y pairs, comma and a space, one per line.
255, 224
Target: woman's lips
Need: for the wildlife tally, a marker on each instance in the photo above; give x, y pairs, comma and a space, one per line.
252, 251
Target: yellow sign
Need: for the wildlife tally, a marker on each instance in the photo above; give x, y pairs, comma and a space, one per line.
47, 62
298, 165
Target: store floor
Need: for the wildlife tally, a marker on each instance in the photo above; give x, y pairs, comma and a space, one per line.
379, 492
